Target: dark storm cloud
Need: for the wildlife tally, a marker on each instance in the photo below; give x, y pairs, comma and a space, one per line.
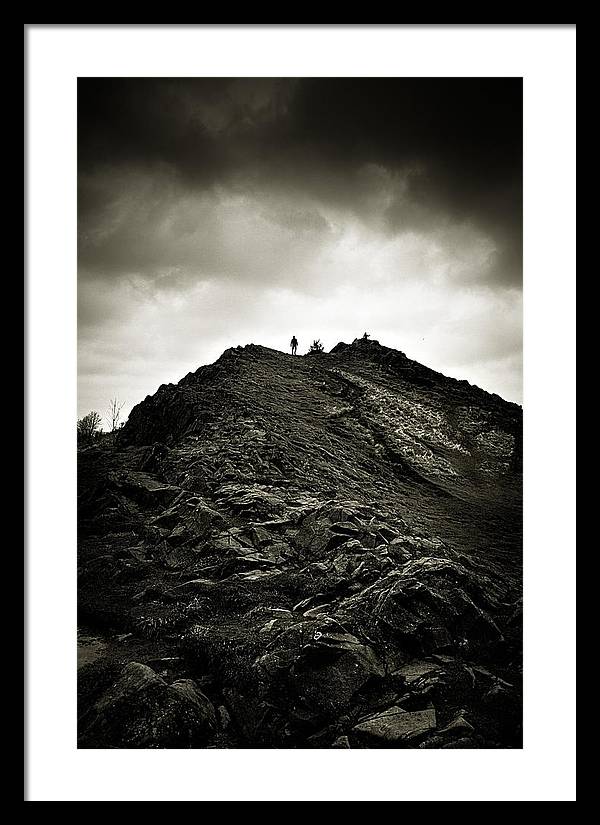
202, 128
455, 145
469, 127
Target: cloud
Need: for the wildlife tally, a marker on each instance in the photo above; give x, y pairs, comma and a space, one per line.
213, 212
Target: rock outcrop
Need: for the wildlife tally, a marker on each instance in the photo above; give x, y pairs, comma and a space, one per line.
326, 551
140, 710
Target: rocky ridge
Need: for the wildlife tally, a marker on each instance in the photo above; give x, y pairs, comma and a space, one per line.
319, 551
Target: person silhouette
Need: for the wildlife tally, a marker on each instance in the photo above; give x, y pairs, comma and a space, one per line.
294, 344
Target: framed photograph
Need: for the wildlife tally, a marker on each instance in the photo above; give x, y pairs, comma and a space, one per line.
289, 493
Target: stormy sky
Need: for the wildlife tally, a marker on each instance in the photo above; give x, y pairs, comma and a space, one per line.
217, 212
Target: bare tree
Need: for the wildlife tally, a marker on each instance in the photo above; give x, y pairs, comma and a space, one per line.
115, 413
88, 427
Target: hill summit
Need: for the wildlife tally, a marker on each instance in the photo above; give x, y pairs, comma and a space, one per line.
309, 551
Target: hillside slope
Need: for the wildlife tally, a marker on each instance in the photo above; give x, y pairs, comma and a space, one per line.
314, 551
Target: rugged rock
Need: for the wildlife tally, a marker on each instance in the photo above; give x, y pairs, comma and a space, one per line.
327, 549
397, 725
143, 489
318, 668
458, 725
141, 710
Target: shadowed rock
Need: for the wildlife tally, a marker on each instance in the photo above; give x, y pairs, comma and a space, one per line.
141, 710
327, 548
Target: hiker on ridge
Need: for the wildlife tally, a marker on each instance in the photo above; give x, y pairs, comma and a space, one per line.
294, 345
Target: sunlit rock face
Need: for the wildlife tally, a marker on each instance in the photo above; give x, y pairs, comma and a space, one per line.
326, 548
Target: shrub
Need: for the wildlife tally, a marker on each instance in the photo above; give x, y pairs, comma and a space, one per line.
88, 427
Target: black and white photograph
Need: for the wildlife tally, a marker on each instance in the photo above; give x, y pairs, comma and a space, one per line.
299, 520
298, 459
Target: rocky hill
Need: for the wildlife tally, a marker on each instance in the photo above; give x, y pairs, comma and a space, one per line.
314, 552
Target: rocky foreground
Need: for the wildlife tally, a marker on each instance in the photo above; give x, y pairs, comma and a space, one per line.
310, 552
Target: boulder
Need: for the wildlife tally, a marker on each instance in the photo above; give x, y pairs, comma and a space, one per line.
140, 710
189, 520
458, 725
396, 725
414, 671
143, 488
431, 605
314, 536
317, 668
251, 501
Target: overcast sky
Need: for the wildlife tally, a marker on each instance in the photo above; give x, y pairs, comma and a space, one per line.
218, 212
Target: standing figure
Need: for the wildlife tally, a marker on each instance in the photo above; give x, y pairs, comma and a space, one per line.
294, 345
